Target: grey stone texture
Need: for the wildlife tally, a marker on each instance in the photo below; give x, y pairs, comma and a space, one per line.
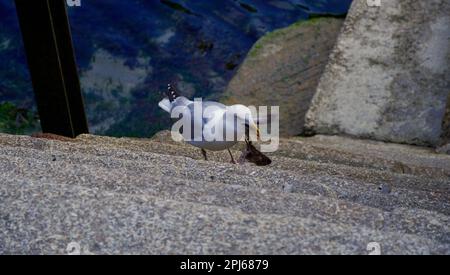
283, 69
388, 78
320, 195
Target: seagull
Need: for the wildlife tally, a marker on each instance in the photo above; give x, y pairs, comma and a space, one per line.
214, 114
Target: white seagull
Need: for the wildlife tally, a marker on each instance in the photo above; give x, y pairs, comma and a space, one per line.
214, 113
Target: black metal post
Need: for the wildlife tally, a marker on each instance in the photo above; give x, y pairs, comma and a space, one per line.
51, 61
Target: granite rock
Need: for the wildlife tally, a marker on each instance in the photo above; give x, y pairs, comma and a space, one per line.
140, 196
283, 69
388, 77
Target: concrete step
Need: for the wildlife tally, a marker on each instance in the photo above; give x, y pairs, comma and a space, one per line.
255, 177
398, 158
41, 216
248, 200
298, 166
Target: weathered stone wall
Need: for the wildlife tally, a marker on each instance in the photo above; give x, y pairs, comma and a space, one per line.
388, 77
446, 124
283, 69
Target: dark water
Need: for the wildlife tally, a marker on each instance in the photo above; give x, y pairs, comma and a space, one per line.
128, 51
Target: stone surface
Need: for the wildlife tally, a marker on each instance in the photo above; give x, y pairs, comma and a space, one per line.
336, 151
125, 195
388, 77
39, 217
283, 69
245, 198
445, 149
124, 164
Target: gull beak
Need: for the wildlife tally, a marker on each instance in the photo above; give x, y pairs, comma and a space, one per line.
255, 127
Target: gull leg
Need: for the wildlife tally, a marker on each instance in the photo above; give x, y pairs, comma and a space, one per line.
246, 152
231, 155
204, 154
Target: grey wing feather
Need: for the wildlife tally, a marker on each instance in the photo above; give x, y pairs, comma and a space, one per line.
208, 107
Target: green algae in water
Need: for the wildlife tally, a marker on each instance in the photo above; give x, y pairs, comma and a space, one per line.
279, 33
231, 66
248, 7
18, 121
176, 6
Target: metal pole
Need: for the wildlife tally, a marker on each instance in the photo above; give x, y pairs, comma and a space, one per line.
51, 61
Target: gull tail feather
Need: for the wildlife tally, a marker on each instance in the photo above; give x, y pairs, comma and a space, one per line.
165, 105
